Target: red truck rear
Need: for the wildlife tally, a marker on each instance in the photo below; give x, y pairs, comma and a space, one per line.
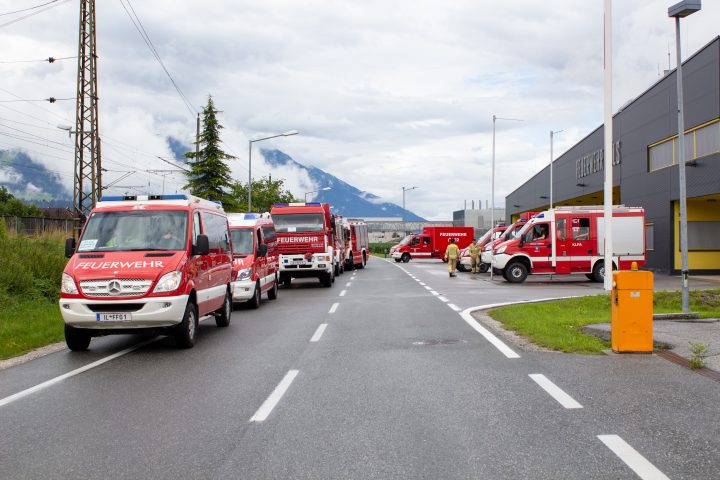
431, 243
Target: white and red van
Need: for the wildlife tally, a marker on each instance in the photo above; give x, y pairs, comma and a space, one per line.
157, 262
431, 243
465, 263
510, 232
358, 246
570, 240
255, 257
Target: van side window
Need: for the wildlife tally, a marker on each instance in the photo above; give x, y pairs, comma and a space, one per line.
268, 234
415, 241
196, 227
217, 231
581, 229
560, 229
426, 240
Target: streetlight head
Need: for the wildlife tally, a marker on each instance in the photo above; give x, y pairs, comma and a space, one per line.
684, 8
289, 132
64, 127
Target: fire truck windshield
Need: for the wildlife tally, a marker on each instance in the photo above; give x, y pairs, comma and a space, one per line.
135, 230
405, 240
242, 241
298, 222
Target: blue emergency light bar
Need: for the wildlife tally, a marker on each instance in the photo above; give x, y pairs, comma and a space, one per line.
125, 198
307, 204
251, 216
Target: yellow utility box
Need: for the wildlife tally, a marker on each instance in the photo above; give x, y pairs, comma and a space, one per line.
632, 311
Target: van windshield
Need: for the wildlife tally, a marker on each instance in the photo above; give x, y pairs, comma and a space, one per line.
135, 230
242, 241
299, 222
405, 240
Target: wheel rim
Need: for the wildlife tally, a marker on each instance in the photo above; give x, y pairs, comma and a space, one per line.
515, 272
191, 325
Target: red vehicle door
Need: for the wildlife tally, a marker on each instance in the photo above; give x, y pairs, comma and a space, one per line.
562, 247
538, 246
583, 245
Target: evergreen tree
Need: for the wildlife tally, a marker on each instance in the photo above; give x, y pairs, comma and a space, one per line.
10, 206
209, 175
265, 192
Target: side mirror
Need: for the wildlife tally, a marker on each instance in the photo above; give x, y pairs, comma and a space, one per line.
69, 247
202, 245
262, 250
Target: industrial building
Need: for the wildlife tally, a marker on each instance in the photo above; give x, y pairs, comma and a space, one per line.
645, 172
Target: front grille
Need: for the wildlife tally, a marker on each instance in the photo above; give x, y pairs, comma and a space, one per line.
294, 249
115, 307
115, 287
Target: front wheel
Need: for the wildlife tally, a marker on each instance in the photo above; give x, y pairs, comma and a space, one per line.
516, 272
326, 280
484, 267
397, 260
187, 329
255, 301
77, 340
222, 316
272, 293
405, 257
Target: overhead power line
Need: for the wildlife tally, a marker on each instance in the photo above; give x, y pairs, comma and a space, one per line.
54, 4
28, 8
49, 60
146, 38
50, 99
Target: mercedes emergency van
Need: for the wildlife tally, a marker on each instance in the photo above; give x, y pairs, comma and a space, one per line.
147, 263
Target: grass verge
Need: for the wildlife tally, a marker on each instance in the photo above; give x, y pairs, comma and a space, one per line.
556, 325
27, 325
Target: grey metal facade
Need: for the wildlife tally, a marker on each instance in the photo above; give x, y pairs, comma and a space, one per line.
647, 119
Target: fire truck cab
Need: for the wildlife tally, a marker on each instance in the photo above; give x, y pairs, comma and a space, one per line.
255, 257
569, 240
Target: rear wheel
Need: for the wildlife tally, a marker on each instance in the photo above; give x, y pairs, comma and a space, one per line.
516, 272
272, 293
405, 257
222, 316
76, 339
590, 276
255, 301
598, 273
187, 329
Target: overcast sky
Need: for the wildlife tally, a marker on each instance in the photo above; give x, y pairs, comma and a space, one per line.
384, 94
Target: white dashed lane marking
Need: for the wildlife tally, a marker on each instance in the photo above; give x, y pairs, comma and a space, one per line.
334, 307
269, 404
639, 464
319, 332
556, 392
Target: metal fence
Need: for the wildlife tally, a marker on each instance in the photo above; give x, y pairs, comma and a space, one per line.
38, 225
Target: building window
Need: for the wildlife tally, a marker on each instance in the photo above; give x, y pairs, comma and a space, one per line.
699, 142
649, 237
703, 236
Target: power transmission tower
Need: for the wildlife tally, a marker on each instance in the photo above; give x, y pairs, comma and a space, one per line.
88, 171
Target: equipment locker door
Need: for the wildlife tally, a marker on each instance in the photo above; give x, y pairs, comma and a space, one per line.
582, 244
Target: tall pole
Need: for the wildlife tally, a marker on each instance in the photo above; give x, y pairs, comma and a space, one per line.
685, 295
87, 182
197, 137
552, 157
403, 214
250, 176
492, 199
608, 151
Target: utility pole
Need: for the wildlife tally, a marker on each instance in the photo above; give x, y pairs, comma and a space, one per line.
88, 166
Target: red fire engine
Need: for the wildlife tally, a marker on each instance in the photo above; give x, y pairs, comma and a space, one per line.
431, 243
358, 249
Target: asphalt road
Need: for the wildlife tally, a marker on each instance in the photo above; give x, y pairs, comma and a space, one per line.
381, 376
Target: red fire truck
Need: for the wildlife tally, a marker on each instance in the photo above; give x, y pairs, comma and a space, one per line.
569, 240
306, 241
342, 238
465, 263
431, 243
358, 250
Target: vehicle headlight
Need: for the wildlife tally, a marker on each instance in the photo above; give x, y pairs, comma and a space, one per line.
501, 249
68, 285
169, 282
244, 274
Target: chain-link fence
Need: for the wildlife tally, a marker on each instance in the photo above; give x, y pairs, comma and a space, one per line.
38, 225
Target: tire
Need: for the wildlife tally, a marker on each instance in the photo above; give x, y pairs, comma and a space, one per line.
598, 273
362, 262
272, 293
186, 331
516, 272
285, 280
590, 276
405, 257
222, 316
77, 340
337, 270
461, 267
397, 260
256, 300
484, 267
326, 280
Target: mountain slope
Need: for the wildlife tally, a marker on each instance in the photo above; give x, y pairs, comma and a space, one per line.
345, 199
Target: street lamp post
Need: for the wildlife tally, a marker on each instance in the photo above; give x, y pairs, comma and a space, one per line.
552, 134
492, 190
316, 191
403, 213
250, 143
607, 142
678, 11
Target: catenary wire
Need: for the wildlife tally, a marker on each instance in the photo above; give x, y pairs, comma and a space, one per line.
28, 8
60, 2
49, 60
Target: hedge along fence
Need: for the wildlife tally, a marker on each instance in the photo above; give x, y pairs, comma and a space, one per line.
37, 226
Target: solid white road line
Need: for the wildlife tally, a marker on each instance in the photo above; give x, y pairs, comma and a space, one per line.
348, 284
444, 299
342, 293
77, 371
319, 332
497, 343
563, 398
454, 307
334, 307
269, 404
639, 464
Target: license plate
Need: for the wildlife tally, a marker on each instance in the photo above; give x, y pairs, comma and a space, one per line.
113, 317
298, 260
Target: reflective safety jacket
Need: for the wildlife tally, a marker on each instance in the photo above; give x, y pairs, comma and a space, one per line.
452, 251
474, 249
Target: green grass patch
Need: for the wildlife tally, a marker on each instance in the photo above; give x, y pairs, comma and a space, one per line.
556, 325
30, 271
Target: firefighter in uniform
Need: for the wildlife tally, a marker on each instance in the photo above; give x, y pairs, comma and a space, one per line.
452, 253
474, 251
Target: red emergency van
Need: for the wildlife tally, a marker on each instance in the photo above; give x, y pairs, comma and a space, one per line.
465, 263
255, 257
358, 251
157, 262
431, 243
570, 240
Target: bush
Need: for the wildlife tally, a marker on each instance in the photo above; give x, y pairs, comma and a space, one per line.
31, 268
379, 248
